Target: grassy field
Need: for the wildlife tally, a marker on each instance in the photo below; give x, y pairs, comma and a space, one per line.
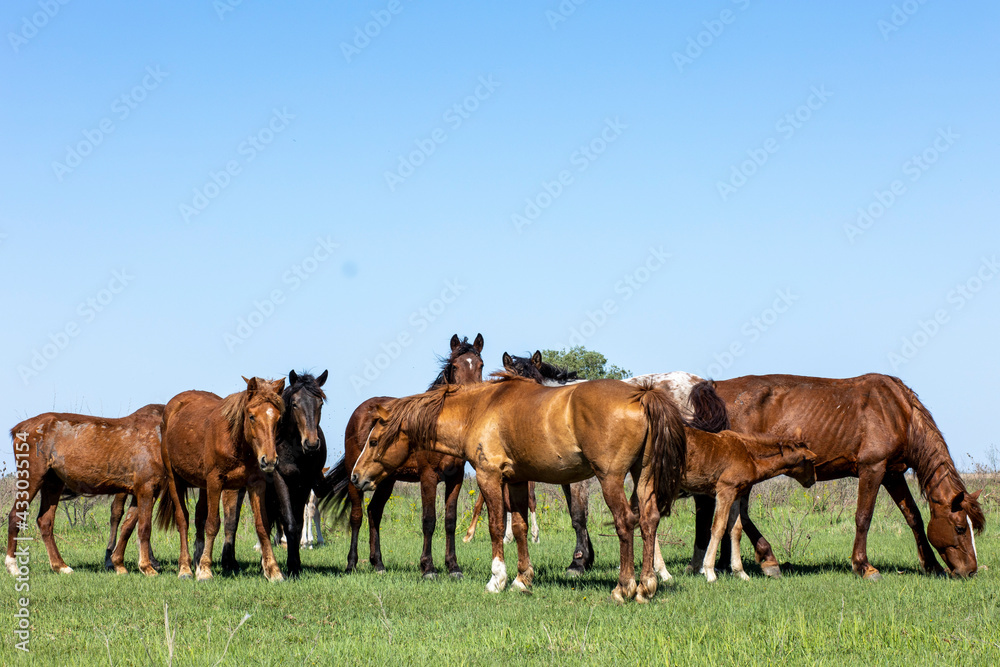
818, 614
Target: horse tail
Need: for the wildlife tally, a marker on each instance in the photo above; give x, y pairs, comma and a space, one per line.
928, 452
709, 409
165, 517
331, 492
667, 444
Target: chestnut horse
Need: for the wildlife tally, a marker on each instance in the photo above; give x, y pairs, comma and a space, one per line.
513, 430
700, 407
464, 365
301, 448
725, 466
872, 427
213, 443
69, 454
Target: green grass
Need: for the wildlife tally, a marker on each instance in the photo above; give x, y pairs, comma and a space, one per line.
819, 613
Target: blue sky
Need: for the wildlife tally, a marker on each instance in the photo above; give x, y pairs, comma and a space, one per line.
727, 188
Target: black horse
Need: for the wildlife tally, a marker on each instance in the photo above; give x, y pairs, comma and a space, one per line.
301, 450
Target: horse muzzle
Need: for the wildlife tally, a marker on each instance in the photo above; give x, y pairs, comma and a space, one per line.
265, 465
362, 484
310, 445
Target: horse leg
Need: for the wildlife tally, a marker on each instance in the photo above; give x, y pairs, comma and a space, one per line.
763, 552
21, 505
724, 498
357, 514
532, 514
308, 512
118, 554
200, 516
270, 566
869, 480
518, 495
117, 510
734, 528
492, 488
317, 519
375, 508
144, 496
704, 510
452, 491
428, 499
649, 521
232, 505
291, 515
895, 484
175, 488
476, 511
577, 501
52, 487
614, 495
207, 520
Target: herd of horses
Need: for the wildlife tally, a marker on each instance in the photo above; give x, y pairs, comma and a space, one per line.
674, 434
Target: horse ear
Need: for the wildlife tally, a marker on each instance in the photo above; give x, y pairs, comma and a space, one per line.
536, 359
478, 343
507, 361
382, 413
975, 496
455, 342
251, 383
957, 501
322, 378
292, 377
278, 385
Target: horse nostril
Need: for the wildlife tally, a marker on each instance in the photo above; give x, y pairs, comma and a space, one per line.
354, 479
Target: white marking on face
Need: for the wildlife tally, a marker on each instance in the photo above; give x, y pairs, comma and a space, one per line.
270, 413
972, 534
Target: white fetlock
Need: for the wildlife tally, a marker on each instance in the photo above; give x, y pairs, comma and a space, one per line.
743, 575
518, 585
710, 574
533, 520
11, 563
664, 575
66, 570
499, 579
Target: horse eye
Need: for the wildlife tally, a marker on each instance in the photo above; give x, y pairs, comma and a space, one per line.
252, 418
960, 529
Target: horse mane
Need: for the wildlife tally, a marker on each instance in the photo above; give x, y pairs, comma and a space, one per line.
234, 406
304, 382
928, 455
417, 416
464, 347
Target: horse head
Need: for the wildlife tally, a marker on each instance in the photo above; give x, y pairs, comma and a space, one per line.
464, 364
951, 530
304, 399
803, 468
386, 449
260, 414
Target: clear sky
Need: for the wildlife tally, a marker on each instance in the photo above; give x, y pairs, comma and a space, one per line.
196, 191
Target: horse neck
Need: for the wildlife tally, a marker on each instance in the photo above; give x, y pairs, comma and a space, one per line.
928, 455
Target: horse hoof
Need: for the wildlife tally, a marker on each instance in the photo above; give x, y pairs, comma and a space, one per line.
11, 564
121, 570
772, 571
275, 577
430, 575
872, 575
149, 571
203, 575
574, 573
65, 570
183, 575
743, 576
457, 574
616, 596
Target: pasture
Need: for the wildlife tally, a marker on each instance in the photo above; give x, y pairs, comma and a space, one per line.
818, 613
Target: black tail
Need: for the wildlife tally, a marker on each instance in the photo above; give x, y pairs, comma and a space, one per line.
709, 409
331, 492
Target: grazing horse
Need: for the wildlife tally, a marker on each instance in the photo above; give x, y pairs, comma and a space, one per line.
513, 430
213, 443
699, 405
84, 455
301, 448
725, 466
872, 427
464, 365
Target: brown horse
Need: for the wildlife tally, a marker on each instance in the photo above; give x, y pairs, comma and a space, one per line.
213, 443
84, 455
513, 430
464, 365
872, 427
725, 466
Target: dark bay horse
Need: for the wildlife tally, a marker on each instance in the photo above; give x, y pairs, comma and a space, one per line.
82, 455
464, 365
513, 430
872, 427
301, 448
213, 443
